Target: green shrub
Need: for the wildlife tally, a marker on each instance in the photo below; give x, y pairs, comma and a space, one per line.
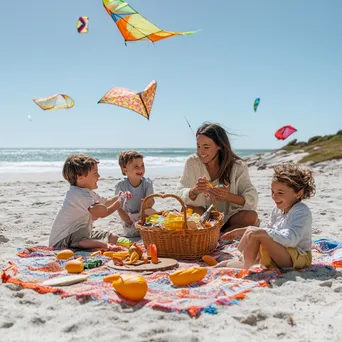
292, 142
301, 144
336, 138
313, 139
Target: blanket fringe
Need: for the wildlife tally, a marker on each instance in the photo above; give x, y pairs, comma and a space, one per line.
32, 286
11, 268
5, 277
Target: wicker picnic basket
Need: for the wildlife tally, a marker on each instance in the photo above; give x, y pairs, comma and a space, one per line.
189, 244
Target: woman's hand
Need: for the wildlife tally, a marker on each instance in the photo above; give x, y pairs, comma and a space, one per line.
220, 194
202, 185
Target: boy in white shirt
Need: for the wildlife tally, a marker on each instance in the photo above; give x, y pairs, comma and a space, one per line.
73, 225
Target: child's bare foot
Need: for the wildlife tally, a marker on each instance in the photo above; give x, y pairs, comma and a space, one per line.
112, 238
230, 263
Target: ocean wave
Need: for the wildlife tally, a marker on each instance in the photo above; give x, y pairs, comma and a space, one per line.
60, 154
52, 159
48, 166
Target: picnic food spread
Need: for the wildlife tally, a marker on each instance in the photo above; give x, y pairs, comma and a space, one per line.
135, 253
132, 286
174, 220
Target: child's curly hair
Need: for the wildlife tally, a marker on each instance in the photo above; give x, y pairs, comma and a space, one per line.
77, 165
126, 156
296, 177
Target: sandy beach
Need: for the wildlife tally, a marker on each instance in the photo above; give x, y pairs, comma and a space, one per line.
106, 76
295, 308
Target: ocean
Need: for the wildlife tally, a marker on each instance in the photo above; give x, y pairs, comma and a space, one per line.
17, 162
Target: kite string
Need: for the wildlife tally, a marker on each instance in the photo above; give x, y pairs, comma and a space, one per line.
189, 125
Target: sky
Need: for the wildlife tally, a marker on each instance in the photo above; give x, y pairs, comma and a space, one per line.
288, 53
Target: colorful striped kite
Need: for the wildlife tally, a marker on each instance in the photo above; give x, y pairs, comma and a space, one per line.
82, 24
139, 102
58, 101
133, 26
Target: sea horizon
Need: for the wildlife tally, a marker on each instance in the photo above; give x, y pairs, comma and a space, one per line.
27, 163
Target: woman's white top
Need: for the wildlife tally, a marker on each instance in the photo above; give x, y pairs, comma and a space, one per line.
240, 184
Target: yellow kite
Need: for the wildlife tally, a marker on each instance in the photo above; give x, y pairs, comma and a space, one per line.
58, 101
139, 102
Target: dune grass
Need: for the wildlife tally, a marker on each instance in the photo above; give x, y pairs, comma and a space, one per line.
320, 148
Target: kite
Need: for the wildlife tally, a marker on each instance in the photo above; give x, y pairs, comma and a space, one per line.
82, 25
139, 102
284, 132
58, 101
256, 103
29, 117
133, 26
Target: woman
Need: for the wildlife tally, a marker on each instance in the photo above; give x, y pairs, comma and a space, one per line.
215, 163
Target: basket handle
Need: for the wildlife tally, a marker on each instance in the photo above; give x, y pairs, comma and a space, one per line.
144, 204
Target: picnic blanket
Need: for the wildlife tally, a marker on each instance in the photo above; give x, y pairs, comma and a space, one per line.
221, 286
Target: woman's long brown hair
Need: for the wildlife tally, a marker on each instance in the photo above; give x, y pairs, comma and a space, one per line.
226, 156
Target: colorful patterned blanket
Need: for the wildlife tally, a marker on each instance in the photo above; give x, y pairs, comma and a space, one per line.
221, 286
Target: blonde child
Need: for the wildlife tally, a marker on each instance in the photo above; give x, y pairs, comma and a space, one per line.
286, 241
132, 166
73, 225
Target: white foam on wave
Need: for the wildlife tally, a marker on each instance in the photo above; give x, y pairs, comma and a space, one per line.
6, 167
48, 166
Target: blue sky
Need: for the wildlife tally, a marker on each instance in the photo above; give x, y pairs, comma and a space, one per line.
288, 53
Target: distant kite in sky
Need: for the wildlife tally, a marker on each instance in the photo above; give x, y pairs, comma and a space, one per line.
133, 26
284, 132
58, 101
29, 117
82, 24
139, 102
256, 103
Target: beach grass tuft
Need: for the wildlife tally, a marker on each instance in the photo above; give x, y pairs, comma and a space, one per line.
320, 148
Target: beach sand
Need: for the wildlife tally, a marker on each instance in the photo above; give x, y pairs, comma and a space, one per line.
294, 309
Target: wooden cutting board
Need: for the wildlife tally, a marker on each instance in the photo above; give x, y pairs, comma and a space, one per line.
140, 266
65, 280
